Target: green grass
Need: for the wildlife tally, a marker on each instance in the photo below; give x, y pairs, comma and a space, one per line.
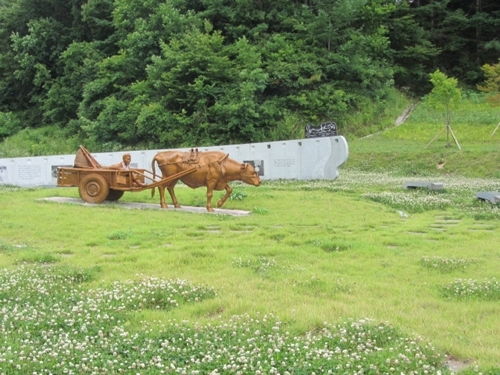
407, 149
473, 110
311, 252
319, 274
404, 153
48, 140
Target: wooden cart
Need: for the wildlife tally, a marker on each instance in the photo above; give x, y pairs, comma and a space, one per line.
98, 183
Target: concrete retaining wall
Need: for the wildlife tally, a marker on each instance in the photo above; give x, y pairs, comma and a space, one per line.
302, 159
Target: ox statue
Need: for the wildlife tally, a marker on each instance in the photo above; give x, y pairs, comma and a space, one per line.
213, 169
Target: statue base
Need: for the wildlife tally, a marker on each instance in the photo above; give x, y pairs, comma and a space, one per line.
146, 206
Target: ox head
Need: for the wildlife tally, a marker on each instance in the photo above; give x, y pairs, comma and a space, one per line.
249, 175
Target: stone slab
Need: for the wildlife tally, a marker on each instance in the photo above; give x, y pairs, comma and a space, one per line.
492, 196
424, 184
146, 206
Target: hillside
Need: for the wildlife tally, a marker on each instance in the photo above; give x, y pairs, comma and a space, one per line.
409, 149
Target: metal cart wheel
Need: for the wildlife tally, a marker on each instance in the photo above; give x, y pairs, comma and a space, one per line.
93, 188
114, 195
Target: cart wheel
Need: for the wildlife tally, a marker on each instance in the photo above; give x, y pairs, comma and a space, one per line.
93, 188
114, 195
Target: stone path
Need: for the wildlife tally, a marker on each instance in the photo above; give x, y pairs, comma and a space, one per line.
146, 206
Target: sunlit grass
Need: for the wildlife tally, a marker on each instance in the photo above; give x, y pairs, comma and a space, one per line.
473, 110
458, 194
312, 254
422, 146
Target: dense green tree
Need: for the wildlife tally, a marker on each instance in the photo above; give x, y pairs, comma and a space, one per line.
97, 17
62, 100
465, 33
108, 110
491, 86
210, 85
412, 51
77, 65
131, 73
198, 91
14, 96
35, 59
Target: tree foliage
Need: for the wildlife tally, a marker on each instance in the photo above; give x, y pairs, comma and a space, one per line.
492, 84
445, 95
130, 73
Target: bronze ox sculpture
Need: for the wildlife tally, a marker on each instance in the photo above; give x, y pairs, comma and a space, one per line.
213, 169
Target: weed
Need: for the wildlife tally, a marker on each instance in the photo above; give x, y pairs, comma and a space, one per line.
317, 286
411, 201
8, 247
330, 247
261, 265
260, 210
278, 237
487, 289
119, 235
237, 195
77, 275
446, 265
35, 257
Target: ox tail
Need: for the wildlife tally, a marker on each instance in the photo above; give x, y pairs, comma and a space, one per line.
153, 168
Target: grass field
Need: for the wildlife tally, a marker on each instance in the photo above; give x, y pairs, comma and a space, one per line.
356, 275
409, 149
361, 248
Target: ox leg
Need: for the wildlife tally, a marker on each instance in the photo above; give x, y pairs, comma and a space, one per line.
161, 190
223, 200
210, 193
175, 202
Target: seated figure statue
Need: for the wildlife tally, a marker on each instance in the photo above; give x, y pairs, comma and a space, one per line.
125, 165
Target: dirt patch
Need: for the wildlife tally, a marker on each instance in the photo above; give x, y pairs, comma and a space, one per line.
455, 365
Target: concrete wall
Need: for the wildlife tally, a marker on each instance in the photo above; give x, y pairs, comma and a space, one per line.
302, 159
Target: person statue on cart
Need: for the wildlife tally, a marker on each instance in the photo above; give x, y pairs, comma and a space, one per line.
124, 165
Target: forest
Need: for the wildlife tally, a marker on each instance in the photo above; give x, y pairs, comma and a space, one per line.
132, 74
